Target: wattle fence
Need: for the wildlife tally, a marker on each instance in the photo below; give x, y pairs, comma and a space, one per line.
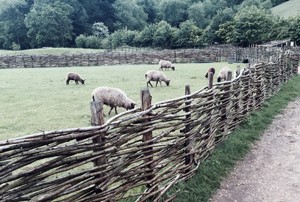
143, 56
139, 154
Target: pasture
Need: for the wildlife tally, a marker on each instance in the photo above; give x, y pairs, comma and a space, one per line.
38, 99
287, 9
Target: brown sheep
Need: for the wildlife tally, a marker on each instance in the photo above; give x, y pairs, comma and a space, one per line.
210, 70
75, 77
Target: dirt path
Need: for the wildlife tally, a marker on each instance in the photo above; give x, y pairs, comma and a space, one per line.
271, 171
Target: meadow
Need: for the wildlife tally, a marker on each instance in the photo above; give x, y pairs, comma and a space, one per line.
38, 99
287, 9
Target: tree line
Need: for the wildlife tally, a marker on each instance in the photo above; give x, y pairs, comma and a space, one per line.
109, 24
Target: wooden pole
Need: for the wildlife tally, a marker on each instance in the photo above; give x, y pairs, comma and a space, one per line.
97, 120
187, 109
146, 104
210, 80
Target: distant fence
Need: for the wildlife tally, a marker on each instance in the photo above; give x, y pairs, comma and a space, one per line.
139, 154
107, 58
210, 54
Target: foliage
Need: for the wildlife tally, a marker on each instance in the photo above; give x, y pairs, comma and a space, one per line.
163, 35
188, 35
100, 30
129, 15
294, 29
49, 24
251, 25
40, 23
174, 11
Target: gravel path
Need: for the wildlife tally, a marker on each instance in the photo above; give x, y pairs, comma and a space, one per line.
270, 172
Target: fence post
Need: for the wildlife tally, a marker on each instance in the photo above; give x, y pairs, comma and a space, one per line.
97, 120
187, 109
148, 151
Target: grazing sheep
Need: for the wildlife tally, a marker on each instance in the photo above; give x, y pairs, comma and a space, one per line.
210, 70
112, 97
153, 75
223, 74
75, 77
165, 64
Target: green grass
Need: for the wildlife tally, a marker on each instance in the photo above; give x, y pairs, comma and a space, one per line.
209, 175
290, 8
37, 99
53, 51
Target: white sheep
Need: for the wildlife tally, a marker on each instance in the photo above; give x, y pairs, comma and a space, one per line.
113, 97
153, 75
223, 73
75, 77
165, 64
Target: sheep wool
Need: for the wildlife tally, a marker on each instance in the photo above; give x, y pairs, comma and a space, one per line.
223, 74
153, 75
113, 97
75, 77
165, 64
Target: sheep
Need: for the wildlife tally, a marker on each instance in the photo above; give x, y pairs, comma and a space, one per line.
75, 77
210, 70
113, 97
153, 75
223, 73
165, 64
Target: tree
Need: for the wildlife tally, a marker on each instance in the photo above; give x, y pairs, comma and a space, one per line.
197, 14
294, 29
188, 35
251, 26
150, 7
222, 16
100, 11
49, 24
174, 11
100, 30
129, 15
145, 37
13, 29
163, 35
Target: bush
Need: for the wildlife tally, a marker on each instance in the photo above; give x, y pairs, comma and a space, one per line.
80, 41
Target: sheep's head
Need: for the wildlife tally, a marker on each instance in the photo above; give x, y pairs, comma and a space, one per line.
168, 82
82, 81
130, 105
219, 79
173, 67
206, 75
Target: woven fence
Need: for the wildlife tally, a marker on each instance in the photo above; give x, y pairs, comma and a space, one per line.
143, 56
107, 58
139, 154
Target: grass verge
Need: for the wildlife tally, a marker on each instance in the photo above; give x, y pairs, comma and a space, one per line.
209, 175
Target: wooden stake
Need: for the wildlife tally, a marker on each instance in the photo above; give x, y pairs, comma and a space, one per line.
146, 104
98, 120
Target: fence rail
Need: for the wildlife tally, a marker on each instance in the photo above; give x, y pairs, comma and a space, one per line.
210, 54
143, 151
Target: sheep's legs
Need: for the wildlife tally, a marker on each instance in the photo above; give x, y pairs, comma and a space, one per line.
67, 82
111, 108
156, 83
149, 83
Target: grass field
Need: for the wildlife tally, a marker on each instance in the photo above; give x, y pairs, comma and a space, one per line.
37, 99
288, 9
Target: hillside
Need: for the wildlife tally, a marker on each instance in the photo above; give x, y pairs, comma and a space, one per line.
287, 9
